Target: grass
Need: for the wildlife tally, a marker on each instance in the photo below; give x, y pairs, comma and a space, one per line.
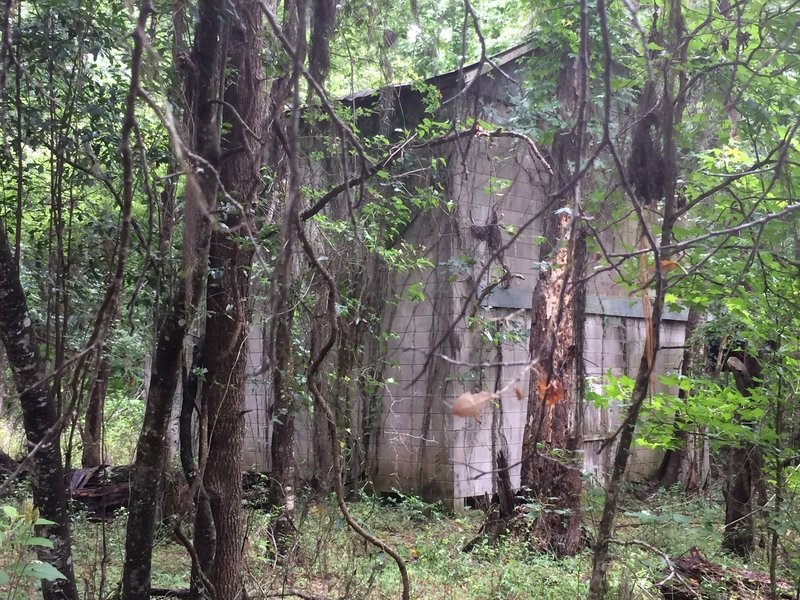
329, 560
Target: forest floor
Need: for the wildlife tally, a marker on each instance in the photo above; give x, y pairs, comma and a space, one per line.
328, 561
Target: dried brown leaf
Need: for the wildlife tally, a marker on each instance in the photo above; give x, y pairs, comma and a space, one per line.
470, 405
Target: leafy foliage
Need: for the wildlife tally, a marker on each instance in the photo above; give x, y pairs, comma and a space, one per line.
18, 543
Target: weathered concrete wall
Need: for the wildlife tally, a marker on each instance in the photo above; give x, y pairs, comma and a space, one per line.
422, 447
615, 343
496, 188
502, 179
437, 351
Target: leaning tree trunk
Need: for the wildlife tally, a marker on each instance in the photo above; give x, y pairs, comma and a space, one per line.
41, 424
225, 342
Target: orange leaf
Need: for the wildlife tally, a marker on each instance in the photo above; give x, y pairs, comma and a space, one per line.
551, 392
666, 266
669, 265
470, 405
518, 393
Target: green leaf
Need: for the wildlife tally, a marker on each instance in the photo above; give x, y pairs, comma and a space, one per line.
669, 380
41, 570
42, 542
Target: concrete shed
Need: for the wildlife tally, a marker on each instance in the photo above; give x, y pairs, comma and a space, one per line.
466, 334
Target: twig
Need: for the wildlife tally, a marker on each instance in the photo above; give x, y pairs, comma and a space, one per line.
673, 574
292, 592
181, 537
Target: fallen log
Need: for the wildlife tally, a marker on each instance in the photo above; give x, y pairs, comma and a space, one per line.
695, 577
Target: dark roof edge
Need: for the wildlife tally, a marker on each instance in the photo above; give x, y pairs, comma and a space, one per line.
469, 71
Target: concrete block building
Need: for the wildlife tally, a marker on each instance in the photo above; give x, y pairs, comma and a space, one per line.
468, 334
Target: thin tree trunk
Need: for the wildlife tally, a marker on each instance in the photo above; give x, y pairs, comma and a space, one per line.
150, 451
669, 116
39, 417
201, 192
3, 392
92, 455
204, 541
282, 442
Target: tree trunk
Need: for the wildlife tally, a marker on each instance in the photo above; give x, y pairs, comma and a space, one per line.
151, 448
225, 342
201, 192
741, 469
551, 463
282, 442
92, 455
40, 418
738, 536
224, 397
204, 541
551, 466
652, 299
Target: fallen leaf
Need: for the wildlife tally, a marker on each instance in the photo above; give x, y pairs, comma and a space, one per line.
666, 266
470, 405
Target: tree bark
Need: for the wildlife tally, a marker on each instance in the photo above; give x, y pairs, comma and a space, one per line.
551, 463
282, 442
323, 18
92, 455
228, 287
204, 541
551, 467
224, 397
200, 195
742, 469
653, 306
39, 417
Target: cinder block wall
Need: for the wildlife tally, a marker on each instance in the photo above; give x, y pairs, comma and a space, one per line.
422, 447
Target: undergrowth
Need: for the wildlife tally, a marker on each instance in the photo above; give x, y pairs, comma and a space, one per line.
327, 559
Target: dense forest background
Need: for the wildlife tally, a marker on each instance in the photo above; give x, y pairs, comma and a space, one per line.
176, 174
